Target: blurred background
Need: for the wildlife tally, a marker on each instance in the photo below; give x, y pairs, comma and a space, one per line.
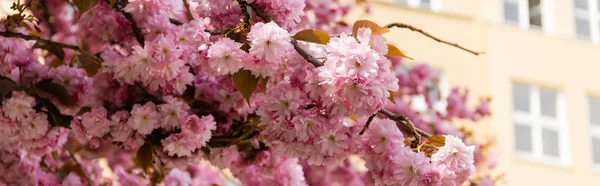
540, 67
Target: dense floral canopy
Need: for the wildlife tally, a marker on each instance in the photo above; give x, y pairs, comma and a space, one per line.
174, 92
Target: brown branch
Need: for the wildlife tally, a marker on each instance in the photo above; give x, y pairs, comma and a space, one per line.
259, 11
78, 164
406, 122
367, 124
175, 21
46, 17
136, 29
245, 13
47, 42
412, 28
187, 8
311, 59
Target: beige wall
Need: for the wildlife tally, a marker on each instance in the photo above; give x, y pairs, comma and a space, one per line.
559, 60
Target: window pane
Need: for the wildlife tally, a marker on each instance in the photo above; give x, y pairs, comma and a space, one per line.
521, 97
511, 12
535, 13
582, 27
425, 3
581, 4
402, 1
533, 3
523, 138
535, 21
548, 102
594, 110
550, 142
596, 149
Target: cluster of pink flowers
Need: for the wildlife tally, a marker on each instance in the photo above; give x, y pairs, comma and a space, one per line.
264, 169
156, 91
105, 23
356, 78
25, 129
286, 13
450, 165
160, 63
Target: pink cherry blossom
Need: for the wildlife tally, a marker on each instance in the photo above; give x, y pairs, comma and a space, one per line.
96, 122
144, 119
225, 56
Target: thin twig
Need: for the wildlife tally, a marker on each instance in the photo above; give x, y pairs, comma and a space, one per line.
406, 122
245, 13
46, 17
175, 21
412, 28
367, 124
311, 59
47, 42
152, 97
136, 29
260, 12
187, 8
78, 164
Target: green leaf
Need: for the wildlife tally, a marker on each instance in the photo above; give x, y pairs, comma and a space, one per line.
7, 85
393, 51
375, 28
263, 83
84, 5
57, 51
56, 62
206, 151
391, 98
437, 141
144, 156
83, 110
54, 116
89, 63
55, 155
245, 82
313, 36
57, 90
66, 169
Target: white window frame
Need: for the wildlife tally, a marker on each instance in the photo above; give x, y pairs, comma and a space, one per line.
592, 15
594, 132
546, 6
436, 5
536, 121
418, 103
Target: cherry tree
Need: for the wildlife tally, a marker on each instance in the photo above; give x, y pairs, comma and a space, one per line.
176, 92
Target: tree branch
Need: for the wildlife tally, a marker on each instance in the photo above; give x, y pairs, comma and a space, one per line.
46, 17
187, 8
47, 42
367, 124
245, 13
136, 30
412, 28
406, 122
311, 59
259, 11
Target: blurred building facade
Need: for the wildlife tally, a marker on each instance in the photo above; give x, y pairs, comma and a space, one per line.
541, 69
